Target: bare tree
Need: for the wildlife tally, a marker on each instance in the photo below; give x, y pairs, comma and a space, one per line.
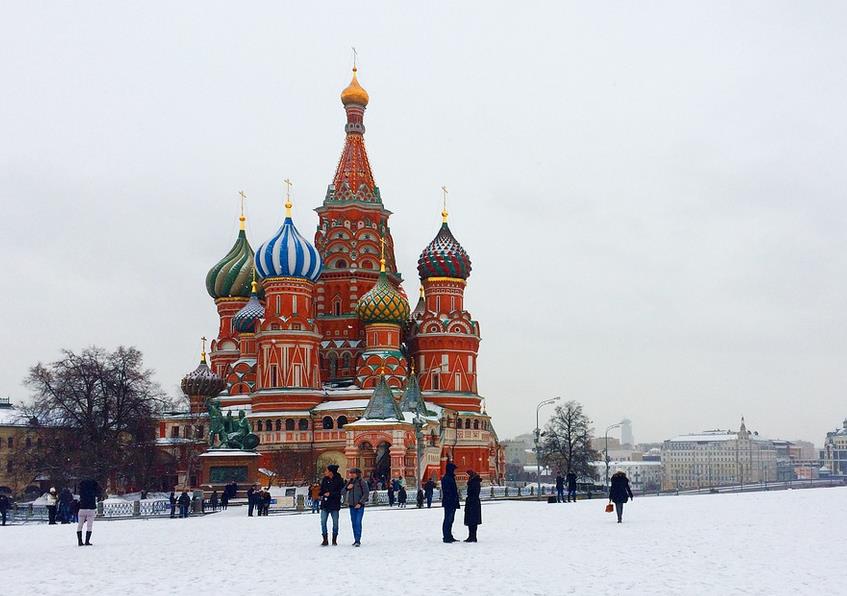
566, 444
94, 414
292, 465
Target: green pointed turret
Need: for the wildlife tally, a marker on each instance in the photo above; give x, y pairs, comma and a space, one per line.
382, 405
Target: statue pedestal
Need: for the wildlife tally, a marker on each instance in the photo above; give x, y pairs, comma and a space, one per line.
223, 466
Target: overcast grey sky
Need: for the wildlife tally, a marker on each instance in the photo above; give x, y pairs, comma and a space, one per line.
652, 193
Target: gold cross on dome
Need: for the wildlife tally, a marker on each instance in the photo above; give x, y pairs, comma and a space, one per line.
444, 204
382, 253
288, 184
243, 198
355, 57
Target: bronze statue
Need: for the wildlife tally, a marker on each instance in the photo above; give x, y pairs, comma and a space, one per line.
229, 433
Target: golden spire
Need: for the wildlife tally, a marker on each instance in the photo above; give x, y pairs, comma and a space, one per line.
288, 183
444, 205
421, 292
382, 254
203, 350
241, 218
253, 284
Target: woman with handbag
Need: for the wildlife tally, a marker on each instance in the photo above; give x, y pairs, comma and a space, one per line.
619, 492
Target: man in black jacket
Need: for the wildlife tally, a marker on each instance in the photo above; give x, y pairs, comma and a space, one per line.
560, 488
429, 487
331, 486
4, 507
571, 486
450, 501
89, 490
251, 500
184, 502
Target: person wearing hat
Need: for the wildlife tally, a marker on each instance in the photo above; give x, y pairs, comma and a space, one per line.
449, 501
51, 499
5, 504
473, 506
619, 492
356, 496
331, 486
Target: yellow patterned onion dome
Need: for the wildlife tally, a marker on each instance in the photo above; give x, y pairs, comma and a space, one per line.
354, 93
383, 304
231, 276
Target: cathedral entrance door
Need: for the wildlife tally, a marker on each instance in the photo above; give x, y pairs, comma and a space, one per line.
382, 465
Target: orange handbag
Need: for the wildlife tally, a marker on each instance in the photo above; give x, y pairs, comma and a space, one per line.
610, 508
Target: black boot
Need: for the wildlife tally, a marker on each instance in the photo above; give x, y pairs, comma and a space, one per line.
79, 537
325, 542
88, 539
471, 534
335, 539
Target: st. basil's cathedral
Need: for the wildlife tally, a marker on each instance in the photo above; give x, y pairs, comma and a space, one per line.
319, 347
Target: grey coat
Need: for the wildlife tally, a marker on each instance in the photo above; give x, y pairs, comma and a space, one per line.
357, 494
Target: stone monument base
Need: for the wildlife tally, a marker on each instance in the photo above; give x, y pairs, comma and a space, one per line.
223, 466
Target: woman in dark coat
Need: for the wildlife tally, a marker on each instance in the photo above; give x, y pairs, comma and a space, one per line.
473, 506
619, 492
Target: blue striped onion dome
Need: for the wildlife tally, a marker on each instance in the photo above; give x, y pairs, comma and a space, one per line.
444, 257
288, 254
245, 319
383, 303
231, 276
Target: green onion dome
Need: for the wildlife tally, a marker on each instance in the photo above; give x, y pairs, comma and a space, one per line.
383, 303
232, 275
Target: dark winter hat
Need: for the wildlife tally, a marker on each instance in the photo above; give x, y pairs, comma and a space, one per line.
356, 471
332, 468
471, 473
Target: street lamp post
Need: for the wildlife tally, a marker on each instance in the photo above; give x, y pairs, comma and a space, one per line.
607, 450
419, 424
541, 404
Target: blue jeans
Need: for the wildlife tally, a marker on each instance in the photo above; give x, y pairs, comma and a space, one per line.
183, 510
356, 516
325, 514
560, 494
447, 526
316, 505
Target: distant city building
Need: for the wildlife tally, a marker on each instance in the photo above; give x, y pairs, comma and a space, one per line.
520, 449
644, 476
717, 458
835, 451
13, 434
626, 433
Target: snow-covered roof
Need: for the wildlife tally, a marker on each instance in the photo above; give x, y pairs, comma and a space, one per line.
342, 404
706, 437
279, 413
11, 416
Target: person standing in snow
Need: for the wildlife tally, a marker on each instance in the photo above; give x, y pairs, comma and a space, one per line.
619, 492
50, 499
560, 488
391, 494
266, 501
401, 497
89, 490
419, 499
172, 501
429, 488
184, 503
356, 496
449, 501
473, 506
315, 497
571, 479
213, 500
5, 504
331, 486
251, 500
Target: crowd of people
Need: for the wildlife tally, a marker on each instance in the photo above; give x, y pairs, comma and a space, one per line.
327, 497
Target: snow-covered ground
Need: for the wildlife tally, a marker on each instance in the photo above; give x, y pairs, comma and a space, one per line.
787, 542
